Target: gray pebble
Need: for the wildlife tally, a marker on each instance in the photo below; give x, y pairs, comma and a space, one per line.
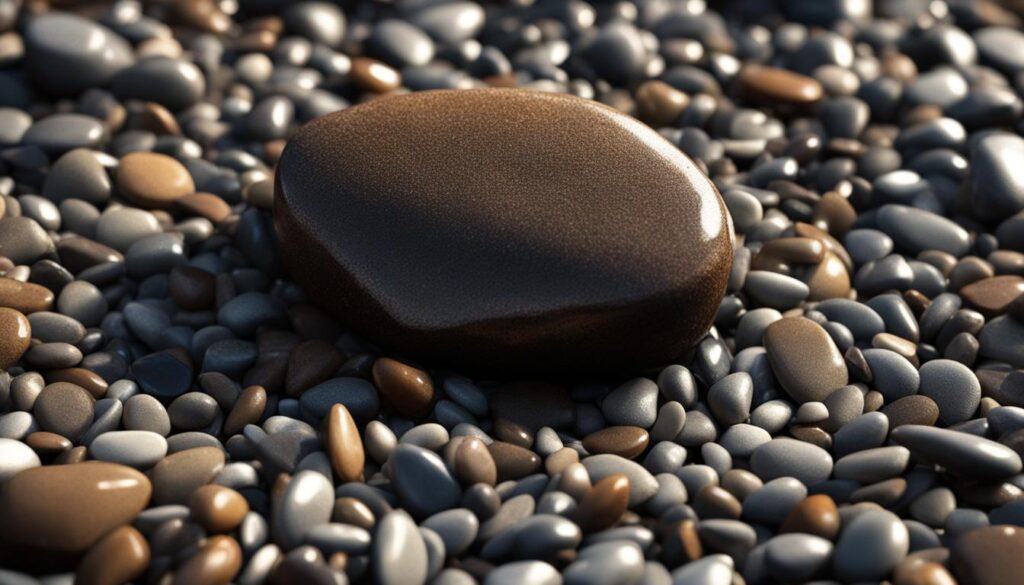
953, 387
523, 573
894, 376
171, 83
960, 453
193, 411
398, 554
795, 558
774, 290
457, 528
677, 383
997, 189
634, 403
121, 227
772, 502
15, 457
873, 465
59, 133
606, 563
865, 245
53, 327
333, 537
788, 457
358, 395
139, 449
422, 482
859, 318
742, 440
23, 240
730, 398
401, 43
306, 502
17, 425
916, 230
870, 547
77, 174
772, 416
642, 484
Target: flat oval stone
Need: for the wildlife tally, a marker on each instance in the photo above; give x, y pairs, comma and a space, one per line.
961, 454
15, 335
70, 507
804, 358
592, 234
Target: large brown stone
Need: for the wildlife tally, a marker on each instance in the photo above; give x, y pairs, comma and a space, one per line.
504, 230
68, 508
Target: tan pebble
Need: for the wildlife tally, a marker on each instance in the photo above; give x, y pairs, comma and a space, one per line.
120, 557
216, 563
604, 504
409, 390
218, 508
92, 382
68, 508
15, 336
153, 180
352, 511
559, 460
344, 444
374, 76
176, 476
205, 205
659, 104
474, 463
24, 297
247, 410
778, 86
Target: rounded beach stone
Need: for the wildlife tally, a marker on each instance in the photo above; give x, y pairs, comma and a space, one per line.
558, 266
15, 335
153, 180
69, 508
804, 358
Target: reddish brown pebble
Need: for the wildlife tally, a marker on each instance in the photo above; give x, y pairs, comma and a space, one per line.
352, 511
513, 461
659, 104
247, 410
93, 383
216, 563
176, 476
310, 363
192, 288
828, 279
120, 557
511, 432
911, 410
68, 508
774, 86
714, 502
45, 443
991, 296
153, 180
604, 504
623, 441
15, 335
409, 390
374, 76
544, 273
218, 508
205, 205
345, 447
992, 555
816, 515
474, 464
24, 297
923, 574
683, 544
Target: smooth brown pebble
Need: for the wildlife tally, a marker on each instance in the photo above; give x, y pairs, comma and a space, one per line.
68, 508
344, 445
216, 563
474, 464
218, 508
120, 557
604, 504
804, 358
176, 476
352, 511
624, 441
65, 409
89, 380
992, 555
374, 76
659, 104
205, 205
15, 336
991, 296
816, 515
916, 409
513, 461
248, 409
774, 86
24, 297
152, 180
511, 432
714, 502
45, 443
409, 390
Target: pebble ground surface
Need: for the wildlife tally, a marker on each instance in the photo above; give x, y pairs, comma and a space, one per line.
174, 411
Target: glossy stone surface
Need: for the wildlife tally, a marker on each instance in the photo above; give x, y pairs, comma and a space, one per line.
70, 507
502, 229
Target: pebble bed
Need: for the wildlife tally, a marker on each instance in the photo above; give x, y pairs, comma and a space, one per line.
173, 410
